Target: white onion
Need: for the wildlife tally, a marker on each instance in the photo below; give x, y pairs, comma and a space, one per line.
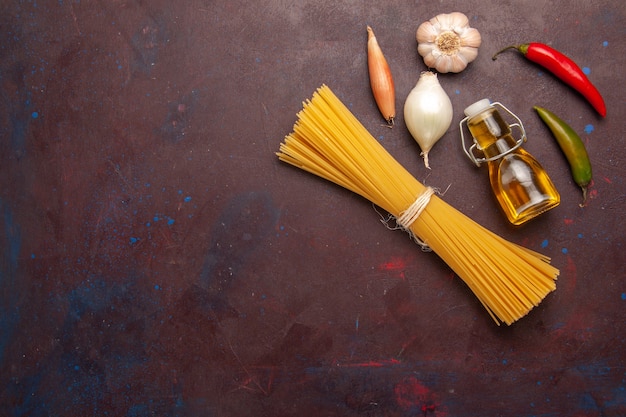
427, 112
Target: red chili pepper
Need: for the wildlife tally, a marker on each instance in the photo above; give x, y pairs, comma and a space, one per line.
564, 68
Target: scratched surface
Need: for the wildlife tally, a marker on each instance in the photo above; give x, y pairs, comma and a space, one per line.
157, 259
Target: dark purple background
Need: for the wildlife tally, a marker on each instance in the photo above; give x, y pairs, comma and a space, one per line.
157, 259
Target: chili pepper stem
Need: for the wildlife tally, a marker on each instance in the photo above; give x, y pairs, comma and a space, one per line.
495, 56
584, 203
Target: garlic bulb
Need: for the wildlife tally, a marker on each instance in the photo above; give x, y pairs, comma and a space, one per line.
427, 112
447, 42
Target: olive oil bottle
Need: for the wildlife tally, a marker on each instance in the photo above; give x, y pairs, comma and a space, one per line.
520, 184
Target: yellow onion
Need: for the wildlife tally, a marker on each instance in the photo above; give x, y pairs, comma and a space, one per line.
427, 112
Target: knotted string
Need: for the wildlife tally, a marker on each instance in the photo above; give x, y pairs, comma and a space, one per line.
411, 214
408, 216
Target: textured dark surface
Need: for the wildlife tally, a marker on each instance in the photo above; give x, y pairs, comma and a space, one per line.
157, 259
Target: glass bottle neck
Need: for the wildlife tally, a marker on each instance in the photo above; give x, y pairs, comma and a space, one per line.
499, 147
491, 133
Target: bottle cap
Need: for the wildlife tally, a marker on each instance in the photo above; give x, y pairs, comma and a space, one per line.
473, 109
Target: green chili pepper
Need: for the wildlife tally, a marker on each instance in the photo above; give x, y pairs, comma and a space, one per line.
572, 146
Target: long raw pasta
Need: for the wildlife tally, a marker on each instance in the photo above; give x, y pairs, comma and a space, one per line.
328, 141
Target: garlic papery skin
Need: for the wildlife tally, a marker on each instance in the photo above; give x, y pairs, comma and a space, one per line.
427, 112
447, 42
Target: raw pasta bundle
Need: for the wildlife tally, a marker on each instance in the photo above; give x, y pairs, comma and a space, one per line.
328, 141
